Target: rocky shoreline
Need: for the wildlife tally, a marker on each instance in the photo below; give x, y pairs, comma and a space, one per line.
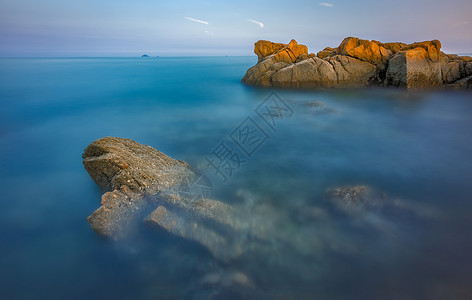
359, 63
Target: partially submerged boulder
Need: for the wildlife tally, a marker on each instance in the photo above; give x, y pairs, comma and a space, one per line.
137, 179
357, 63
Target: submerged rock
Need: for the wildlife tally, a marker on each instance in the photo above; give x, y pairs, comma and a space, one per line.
357, 63
353, 198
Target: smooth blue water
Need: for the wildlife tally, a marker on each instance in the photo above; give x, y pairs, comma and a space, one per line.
414, 146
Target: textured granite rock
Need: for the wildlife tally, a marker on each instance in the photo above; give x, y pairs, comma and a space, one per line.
358, 63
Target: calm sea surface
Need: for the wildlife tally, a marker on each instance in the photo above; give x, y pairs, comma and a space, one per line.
414, 148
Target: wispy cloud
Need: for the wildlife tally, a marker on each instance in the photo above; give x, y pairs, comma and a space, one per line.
196, 20
257, 22
326, 4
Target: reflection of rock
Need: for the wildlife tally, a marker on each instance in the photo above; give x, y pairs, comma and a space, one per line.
226, 279
357, 63
319, 108
138, 178
316, 104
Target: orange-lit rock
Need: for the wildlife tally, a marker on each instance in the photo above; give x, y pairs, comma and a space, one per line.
433, 48
291, 52
365, 50
357, 63
327, 52
265, 48
413, 69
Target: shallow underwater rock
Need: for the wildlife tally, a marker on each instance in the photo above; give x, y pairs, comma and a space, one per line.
353, 198
222, 246
357, 63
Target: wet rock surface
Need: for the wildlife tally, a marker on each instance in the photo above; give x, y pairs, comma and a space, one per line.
358, 63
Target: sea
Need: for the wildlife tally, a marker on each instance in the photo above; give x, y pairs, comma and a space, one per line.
289, 150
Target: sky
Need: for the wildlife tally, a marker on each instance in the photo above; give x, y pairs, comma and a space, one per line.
37, 28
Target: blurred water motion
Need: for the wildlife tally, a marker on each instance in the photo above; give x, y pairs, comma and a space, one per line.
408, 239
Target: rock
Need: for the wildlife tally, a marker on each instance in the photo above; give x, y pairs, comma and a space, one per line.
356, 63
368, 51
351, 198
290, 53
265, 48
115, 162
465, 83
273, 54
394, 47
338, 71
413, 69
432, 48
139, 180
221, 246
454, 67
327, 52
128, 172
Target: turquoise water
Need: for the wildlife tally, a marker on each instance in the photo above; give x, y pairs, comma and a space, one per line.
413, 146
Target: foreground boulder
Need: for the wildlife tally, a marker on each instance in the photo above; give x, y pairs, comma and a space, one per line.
141, 183
358, 63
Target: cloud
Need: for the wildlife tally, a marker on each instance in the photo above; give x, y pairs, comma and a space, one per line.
326, 4
196, 20
257, 22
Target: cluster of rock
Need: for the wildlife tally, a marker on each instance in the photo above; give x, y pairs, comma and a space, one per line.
358, 63
138, 180
143, 185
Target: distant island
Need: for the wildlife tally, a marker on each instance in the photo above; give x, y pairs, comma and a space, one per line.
358, 63
144, 55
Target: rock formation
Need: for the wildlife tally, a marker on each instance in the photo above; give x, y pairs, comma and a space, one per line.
139, 180
358, 63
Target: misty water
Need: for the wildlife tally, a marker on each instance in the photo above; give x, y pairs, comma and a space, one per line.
413, 148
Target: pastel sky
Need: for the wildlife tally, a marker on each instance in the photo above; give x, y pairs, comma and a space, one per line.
179, 27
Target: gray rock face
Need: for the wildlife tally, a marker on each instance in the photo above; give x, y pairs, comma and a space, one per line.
413, 69
357, 63
315, 72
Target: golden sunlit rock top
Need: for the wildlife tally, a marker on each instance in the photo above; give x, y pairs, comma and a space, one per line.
358, 63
